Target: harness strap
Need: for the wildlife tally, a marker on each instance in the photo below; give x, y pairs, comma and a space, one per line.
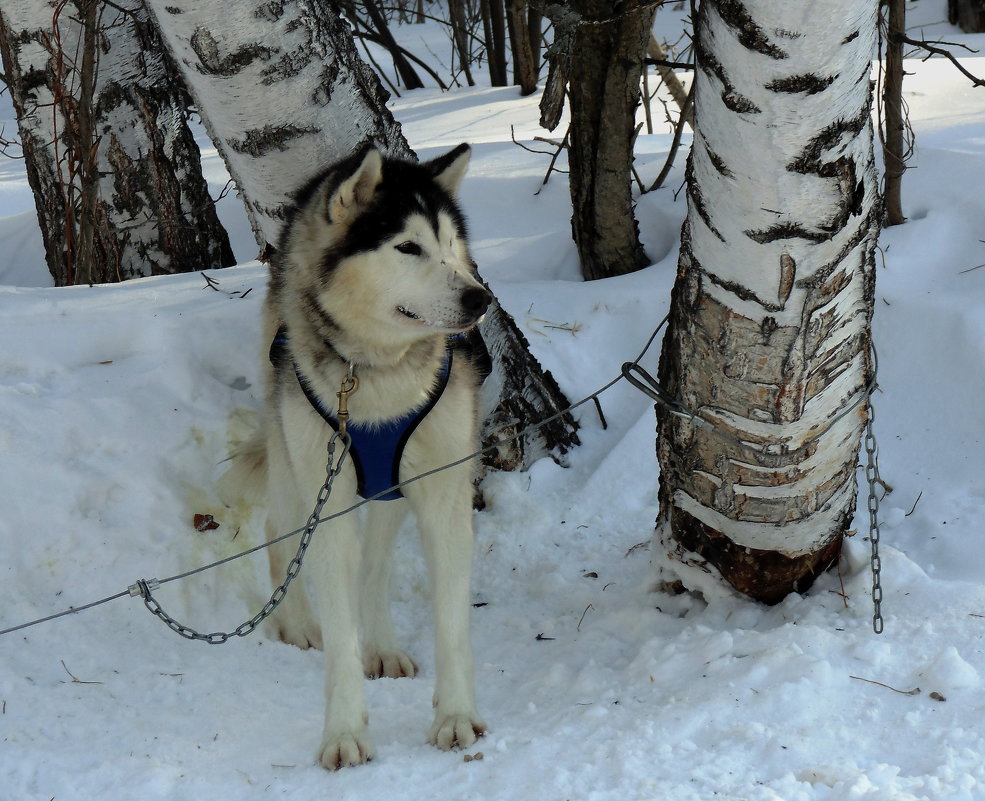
375, 449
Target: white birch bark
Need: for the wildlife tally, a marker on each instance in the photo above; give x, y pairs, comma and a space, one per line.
281, 89
115, 171
769, 341
25, 62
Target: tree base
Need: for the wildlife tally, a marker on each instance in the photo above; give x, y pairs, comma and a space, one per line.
764, 576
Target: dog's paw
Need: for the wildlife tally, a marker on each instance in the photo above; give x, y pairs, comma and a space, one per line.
346, 750
303, 636
391, 664
456, 731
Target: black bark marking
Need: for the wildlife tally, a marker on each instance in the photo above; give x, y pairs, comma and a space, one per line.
843, 170
866, 226
326, 83
33, 79
858, 199
731, 97
767, 328
270, 11
287, 66
718, 163
698, 202
740, 291
809, 160
260, 141
740, 104
787, 230
748, 32
808, 84
212, 63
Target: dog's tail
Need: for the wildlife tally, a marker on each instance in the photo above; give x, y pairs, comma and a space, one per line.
246, 475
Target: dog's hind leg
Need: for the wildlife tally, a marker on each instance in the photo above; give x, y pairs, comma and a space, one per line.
381, 656
292, 621
336, 555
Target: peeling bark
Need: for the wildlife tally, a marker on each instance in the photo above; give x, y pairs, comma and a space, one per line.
522, 400
769, 340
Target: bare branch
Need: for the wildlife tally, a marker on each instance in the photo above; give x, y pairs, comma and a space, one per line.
933, 50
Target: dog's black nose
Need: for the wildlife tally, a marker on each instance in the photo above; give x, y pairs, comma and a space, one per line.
475, 301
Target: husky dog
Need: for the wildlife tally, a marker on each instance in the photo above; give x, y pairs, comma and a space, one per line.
373, 281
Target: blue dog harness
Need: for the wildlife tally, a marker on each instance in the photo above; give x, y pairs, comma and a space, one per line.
375, 449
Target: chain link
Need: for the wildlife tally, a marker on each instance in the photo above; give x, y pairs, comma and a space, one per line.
873, 480
144, 588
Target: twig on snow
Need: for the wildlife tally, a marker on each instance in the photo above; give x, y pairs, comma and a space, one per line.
914, 691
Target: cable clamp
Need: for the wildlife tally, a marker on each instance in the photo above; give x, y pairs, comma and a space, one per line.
143, 588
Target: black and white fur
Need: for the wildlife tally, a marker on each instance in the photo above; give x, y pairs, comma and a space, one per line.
373, 270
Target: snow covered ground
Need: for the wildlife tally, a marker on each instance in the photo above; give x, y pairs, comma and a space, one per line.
119, 402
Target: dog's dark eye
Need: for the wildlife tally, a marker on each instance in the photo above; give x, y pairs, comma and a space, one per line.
410, 248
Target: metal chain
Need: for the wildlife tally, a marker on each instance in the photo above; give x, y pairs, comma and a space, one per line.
644, 382
873, 480
648, 385
144, 588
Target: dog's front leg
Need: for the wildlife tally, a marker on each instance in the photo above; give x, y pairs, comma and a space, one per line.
447, 539
337, 555
381, 656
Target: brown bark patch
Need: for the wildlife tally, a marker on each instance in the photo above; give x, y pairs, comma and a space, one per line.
765, 576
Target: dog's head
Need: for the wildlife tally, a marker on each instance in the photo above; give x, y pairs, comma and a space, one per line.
384, 246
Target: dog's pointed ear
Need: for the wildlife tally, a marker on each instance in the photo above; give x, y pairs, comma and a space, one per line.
449, 169
356, 191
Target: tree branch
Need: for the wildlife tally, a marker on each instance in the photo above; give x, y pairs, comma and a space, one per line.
940, 51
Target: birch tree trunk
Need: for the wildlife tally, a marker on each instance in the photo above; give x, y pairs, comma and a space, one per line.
281, 90
769, 340
114, 169
283, 93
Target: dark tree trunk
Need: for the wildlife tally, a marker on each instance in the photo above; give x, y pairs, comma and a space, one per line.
525, 45
968, 14
892, 103
494, 25
460, 36
535, 25
603, 71
114, 168
406, 72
